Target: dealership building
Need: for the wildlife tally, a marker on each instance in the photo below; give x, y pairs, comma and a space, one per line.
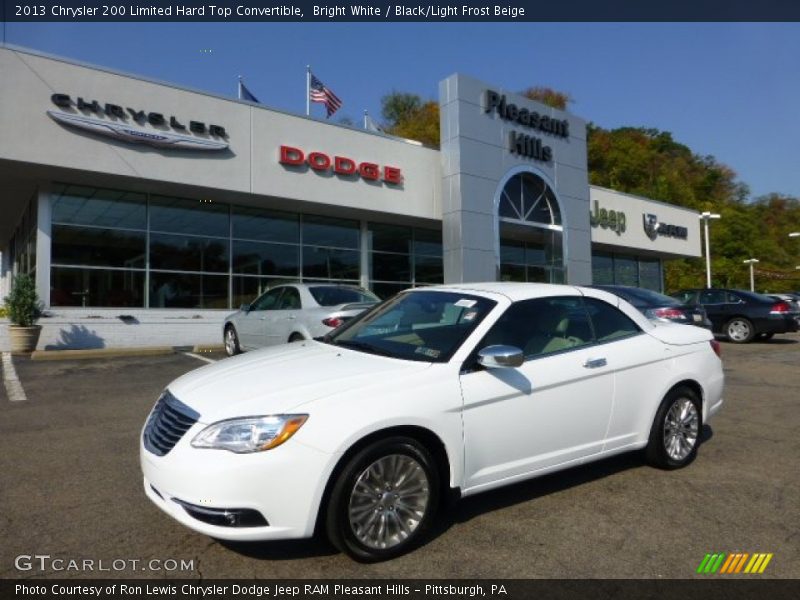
146, 211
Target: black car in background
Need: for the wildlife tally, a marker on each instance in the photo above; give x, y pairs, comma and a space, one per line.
658, 307
742, 316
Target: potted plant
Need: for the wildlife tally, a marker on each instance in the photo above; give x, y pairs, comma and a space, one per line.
24, 309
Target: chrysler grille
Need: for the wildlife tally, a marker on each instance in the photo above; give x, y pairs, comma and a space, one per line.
169, 420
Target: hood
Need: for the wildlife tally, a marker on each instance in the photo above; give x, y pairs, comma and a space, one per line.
678, 334
276, 379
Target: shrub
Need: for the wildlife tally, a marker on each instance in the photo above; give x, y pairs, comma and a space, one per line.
22, 304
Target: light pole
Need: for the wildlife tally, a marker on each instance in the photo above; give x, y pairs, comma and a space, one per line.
751, 262
706, 217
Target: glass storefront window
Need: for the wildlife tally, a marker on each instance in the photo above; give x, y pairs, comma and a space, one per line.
618, 269
390, 267
602, 269
187, 290
428, 269
265, 225
92, 246
626, 271
327, 231
196, 217
650, 274
188, 253
330, 263
257, 258
102, 208
428, 242
386, 290
96, 287
390, 238
246, 289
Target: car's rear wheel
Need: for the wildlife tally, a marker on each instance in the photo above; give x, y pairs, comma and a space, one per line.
675, 434
384, 500
740, 330
231, 341
296, 337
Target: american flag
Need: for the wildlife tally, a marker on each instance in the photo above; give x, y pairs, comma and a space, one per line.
319, 93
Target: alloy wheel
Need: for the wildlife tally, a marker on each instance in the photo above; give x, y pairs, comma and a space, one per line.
388, 501
681, 428
230, 341
739, 330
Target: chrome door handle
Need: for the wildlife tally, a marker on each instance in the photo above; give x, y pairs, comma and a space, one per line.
593, 363
291, 317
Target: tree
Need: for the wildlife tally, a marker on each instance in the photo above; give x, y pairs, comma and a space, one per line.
409, 116
548, 96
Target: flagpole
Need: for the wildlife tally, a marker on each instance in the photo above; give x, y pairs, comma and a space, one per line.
240, 87
308, 90
365, 118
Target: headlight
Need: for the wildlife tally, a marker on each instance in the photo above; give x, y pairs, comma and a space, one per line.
249, 434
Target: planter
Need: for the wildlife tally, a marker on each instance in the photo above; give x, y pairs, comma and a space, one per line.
24, 339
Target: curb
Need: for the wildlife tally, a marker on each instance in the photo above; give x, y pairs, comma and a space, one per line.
100, 353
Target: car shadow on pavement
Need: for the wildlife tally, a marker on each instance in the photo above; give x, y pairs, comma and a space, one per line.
282, 549
775, 342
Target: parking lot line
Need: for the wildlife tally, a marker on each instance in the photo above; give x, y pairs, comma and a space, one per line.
11, 381
198, 357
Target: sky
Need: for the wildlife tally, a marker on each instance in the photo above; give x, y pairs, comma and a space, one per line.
731, 90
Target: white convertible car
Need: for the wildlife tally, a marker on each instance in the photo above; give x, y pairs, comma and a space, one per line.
441, 391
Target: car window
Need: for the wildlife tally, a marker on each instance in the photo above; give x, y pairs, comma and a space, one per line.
609, 322
331, 295
686, 297
418, 325
289, 300
542, 326
268, 300
733, 298
712, 297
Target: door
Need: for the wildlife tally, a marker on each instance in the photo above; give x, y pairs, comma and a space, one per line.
717, 307
252, 325
281, 320
552, 410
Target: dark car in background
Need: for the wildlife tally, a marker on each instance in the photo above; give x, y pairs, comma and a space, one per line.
659, 307
742, 316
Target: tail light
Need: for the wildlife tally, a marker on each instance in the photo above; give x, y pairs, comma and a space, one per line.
333, 321
716, 347
780, 308
673, 314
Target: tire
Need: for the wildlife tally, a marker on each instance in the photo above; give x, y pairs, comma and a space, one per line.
296, 337
668, 448
740, 330
231, 341
369, 528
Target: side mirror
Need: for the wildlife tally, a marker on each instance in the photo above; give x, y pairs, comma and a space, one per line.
501, 356
245, 308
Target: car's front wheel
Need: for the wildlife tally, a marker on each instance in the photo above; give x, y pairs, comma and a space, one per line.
675, 434
740, 330
383, 500
231, 341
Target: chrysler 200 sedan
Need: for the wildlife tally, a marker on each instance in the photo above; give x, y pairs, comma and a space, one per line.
438, 392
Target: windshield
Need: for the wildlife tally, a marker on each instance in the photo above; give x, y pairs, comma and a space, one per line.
333, 295
641, 298
421, 325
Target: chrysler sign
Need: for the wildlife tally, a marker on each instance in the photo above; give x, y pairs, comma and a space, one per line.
129, 125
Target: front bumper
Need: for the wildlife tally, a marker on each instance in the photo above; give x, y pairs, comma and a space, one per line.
284, 485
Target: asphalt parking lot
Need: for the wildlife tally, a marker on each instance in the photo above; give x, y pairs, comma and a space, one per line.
70, 487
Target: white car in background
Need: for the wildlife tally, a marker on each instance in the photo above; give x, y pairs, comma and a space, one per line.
293, 312
440, 391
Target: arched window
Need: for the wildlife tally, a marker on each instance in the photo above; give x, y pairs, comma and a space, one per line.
531, 231
527, 199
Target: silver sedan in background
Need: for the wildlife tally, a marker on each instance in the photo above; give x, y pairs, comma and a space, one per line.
293, 312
